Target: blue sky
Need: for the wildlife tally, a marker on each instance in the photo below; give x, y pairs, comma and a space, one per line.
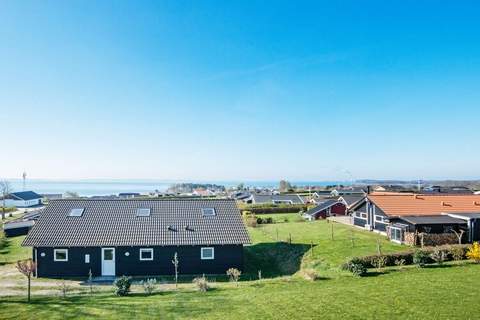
244, 90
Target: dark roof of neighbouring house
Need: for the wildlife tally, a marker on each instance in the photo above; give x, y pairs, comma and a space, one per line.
432, 220
351, 199
115, 223
260, 198
25, 195
322, 206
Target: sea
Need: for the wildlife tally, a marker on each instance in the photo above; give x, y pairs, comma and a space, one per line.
102, 187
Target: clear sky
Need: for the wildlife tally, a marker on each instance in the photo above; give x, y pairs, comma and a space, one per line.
244, 90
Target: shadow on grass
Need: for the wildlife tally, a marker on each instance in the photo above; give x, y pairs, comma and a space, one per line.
274, 259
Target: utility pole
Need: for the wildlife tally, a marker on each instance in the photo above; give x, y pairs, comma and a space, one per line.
24, 177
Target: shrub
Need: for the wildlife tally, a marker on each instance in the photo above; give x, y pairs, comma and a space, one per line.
269, 220
457, 253
234, 274
380, 262
420, 258
438, 255
122, 285
201, 283
400, 262
310, 274
474, 252
149, 285
356, 266
251, 221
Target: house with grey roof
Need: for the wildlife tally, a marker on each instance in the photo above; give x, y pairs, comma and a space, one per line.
275, 199
325, 209
137, 237
23, 199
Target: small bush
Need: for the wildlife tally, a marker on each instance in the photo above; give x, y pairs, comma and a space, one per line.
122, 286
400, 262
457, 253
438, 255
310, 274
201, 283
420, 258
251, 221
234, 275
380, 262
474, 252
356, 266
286, 219
149, 286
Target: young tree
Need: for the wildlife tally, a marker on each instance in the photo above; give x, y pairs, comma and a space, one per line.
27, 268
459, 235
175, 263
5, 190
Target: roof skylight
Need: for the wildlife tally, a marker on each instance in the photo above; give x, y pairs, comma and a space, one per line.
76, 212
208, 211
143, 212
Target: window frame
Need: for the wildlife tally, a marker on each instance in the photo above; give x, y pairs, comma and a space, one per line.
55, 255
203, 257
142, 250
382, 219
143, 212
400, 230
359, 215
209, 215
87, 258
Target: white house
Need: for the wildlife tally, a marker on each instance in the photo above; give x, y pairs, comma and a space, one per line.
22, 199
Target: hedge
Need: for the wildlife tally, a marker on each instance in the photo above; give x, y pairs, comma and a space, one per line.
273, 208
369, 261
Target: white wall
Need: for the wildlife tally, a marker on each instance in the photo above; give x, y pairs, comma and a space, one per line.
20, 203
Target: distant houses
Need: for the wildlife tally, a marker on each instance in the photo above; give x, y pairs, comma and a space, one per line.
137, 237
22, 225
406, 216
23, 199
274, 199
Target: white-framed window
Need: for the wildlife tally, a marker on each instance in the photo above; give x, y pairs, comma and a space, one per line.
87, 258
76, 212
60, 255
208, 253
208, 211
380, 219
396, 234
361, 215
143, 212
146, 254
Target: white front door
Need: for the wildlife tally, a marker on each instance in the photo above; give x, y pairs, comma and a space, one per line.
108, 261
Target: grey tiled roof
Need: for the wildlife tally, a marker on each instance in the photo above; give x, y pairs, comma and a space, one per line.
322, 206
352, 199
114, 223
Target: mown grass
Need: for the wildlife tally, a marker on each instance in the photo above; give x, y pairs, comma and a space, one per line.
436, 292
12, 251
450, 292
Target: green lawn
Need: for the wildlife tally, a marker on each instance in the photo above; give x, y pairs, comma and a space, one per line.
311, 247
13, 251
431, 293
447, 292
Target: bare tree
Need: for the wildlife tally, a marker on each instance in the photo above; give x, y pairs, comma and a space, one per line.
175, 264
27, 268
459, 235
5, 190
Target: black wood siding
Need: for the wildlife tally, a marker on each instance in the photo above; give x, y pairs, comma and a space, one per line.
190, 262
359, 222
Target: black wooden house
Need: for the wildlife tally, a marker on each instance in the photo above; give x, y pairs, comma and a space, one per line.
137, 237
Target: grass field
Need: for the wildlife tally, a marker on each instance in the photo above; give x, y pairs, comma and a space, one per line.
437, 292
13, 251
